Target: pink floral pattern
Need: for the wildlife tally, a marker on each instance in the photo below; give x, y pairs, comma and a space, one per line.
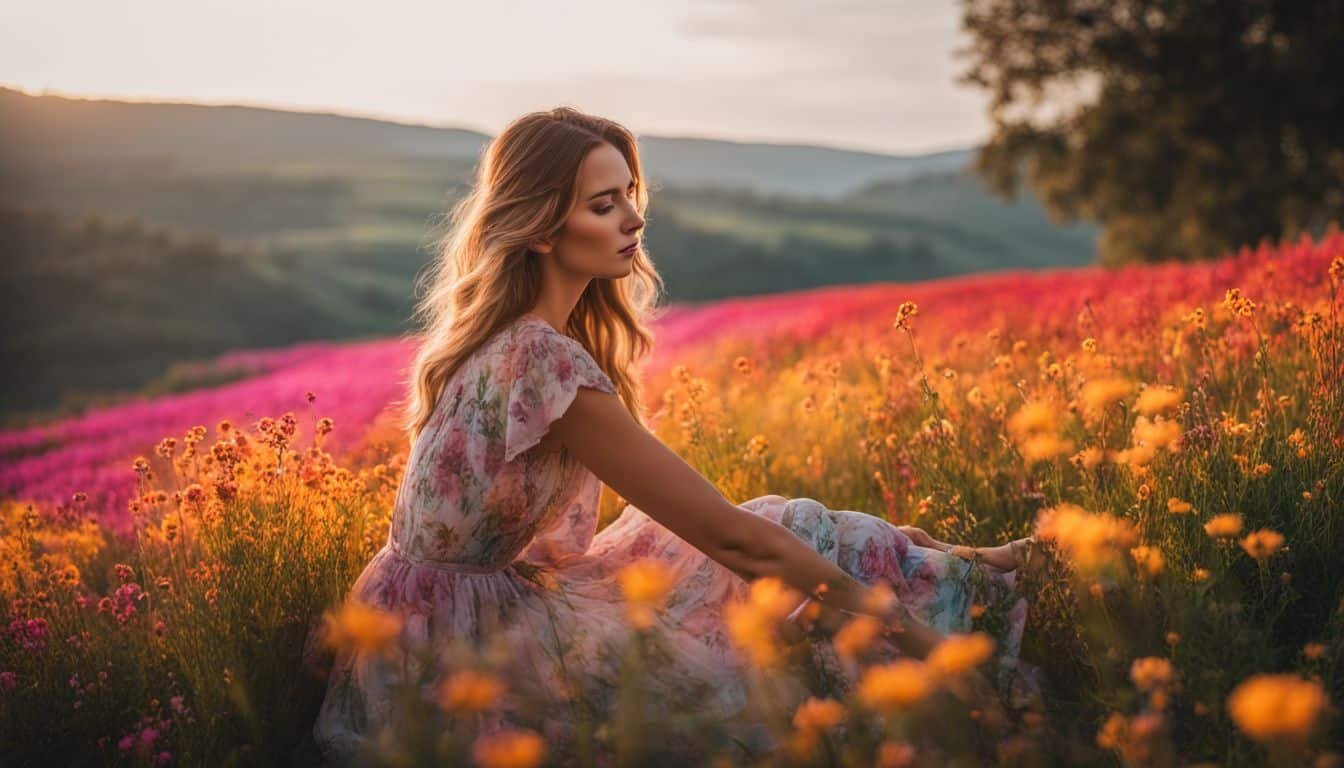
488, 534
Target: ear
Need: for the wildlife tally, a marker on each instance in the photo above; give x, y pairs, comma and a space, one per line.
540, 246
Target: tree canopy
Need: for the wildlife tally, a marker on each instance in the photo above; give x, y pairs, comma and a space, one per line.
1184, 128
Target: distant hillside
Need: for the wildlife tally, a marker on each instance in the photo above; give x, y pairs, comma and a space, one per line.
295, 226
97, 305
44, 129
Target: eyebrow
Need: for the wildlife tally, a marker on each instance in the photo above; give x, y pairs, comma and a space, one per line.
611, 191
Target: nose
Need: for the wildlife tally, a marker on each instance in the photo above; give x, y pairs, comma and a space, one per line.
634, 224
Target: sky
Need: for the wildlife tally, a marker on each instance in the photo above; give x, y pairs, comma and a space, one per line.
875, 75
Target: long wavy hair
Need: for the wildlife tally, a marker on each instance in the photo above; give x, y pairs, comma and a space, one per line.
485, 277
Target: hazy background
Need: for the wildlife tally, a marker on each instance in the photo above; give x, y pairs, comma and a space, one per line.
858, 75
179, 180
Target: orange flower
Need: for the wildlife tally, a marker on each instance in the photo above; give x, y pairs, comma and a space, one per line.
895, 686
1149, 559
959, 653
1150, 673
1277, 707
1093, 541
644, 583
818, 714
904, 314
509, 749
364, 627
1157, 399
1223, 526
469, 691
1178, 507
856, 636
1262, 544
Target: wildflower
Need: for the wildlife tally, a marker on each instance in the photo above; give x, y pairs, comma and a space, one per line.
1034, 417
1155, 400
1237, 304
959, 653
1314, 651
1223, 526
1199, 574
1173, 638
469, 691
1262, 469
1150, 673
904, 314
1099, 394
364, 627
752, 624
895, 754
977, 610
1041, 447
1090, 344
1088, 458
1114, 733
1178, 507
856, 636
1157, 434
1336, 270
509, 748
1262, 544
1149, 559
644, 583
1277, 707
1091, 540
818, 714
743, 365
894, 686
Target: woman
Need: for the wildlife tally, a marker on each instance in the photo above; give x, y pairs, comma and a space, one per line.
523, 402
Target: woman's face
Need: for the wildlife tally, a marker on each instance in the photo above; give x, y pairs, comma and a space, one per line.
603, 220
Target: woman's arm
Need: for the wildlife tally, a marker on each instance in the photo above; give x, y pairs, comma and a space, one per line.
599, 432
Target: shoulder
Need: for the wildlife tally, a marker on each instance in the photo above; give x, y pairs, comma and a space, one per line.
535, 349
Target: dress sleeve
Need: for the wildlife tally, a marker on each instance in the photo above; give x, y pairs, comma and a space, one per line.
546, 371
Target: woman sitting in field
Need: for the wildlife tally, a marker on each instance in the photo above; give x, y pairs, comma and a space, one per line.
523, 402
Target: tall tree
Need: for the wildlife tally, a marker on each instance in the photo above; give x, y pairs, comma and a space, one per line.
1185, 128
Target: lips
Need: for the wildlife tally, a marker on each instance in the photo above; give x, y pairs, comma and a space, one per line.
629, 248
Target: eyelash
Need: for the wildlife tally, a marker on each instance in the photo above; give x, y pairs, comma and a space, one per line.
603, 211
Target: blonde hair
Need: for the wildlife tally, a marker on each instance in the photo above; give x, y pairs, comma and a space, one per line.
485, 277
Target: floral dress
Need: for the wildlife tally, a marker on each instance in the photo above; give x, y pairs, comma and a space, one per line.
490, 535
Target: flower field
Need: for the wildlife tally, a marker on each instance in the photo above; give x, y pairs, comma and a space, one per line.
1173, 435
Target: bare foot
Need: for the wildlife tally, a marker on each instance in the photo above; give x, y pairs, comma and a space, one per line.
1003, 557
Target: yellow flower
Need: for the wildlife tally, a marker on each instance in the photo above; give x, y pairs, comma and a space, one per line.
1040, 447
818, 714
1262, 544
1099, 394
469, 691
1150, 673
1178, 507
1238, 304
644, 583
1088, 458
1114, 733
364, 627
894, 686
1157, 399
1277, 707
1034, 417
1157, 434
958, 653
1092, 541
1223, 526
856, 636
509, 749
752, 623
904, 314
1149, 559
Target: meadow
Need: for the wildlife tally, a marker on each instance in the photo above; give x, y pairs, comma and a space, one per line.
1173, 434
